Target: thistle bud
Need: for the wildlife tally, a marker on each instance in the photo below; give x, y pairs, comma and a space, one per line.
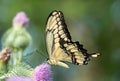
18, 36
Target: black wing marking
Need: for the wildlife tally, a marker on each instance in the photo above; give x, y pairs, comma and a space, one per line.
60, 22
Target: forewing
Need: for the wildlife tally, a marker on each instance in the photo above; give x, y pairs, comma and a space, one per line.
56, 30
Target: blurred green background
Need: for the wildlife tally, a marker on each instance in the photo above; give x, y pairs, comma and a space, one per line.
95, 23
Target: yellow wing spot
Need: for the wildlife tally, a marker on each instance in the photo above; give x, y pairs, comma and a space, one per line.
73, 50
61, 32
80, 61
63, 36
57, 44
56, 35
58, 19
55, 26
70, 47
55, 31
52, 25
95, 55
77, 56
65, 45
59, 23
65, 39
57, 40
54, 13
52, 19
60, 27
57, 15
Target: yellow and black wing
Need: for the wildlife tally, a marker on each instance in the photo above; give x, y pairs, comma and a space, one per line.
60, 46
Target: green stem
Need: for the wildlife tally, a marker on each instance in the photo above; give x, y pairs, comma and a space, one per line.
3, 69
15, 56
20, 56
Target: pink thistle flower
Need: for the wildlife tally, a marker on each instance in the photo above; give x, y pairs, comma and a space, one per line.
19, 78
43, 72
21, 19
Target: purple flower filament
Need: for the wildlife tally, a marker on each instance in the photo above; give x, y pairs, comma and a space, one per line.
43, 72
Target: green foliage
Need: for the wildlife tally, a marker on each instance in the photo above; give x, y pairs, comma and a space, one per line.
18, 70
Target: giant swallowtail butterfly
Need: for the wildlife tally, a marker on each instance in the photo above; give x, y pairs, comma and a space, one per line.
60, 46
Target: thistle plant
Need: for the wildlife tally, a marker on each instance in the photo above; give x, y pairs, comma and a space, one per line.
17, 37
26, 73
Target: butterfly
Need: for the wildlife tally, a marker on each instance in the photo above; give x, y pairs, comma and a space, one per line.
60, 46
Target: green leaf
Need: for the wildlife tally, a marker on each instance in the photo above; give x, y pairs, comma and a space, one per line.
19, 70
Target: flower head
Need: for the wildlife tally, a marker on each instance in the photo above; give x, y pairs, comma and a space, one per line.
19, 78
43, 72
21, 19
17, 36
